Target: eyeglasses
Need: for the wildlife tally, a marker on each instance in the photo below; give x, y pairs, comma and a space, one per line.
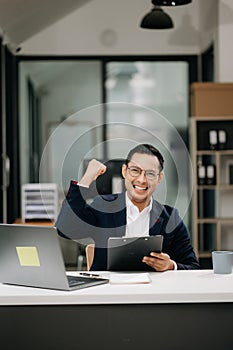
135, 172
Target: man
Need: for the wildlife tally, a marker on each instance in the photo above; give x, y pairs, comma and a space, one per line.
133, 213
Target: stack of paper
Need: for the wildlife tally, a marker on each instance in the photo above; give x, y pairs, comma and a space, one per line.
129, 278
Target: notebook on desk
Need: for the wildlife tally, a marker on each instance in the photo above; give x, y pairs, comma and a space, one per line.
31, 256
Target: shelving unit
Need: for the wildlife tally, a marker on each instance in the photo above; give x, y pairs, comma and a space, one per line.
212, 204
39, 201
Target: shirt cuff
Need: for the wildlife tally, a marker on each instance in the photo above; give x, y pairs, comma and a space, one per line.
78, 184
175, 265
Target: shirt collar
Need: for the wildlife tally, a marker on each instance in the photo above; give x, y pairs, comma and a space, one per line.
130, 205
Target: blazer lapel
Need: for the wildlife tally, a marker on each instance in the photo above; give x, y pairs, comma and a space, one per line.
119, 216
156, 221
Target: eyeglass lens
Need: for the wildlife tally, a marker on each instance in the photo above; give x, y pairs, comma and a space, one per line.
150, 174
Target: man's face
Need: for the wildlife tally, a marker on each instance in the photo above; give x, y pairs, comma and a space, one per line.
140, 188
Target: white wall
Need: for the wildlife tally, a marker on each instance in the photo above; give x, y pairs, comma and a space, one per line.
110, 27
208, 15
224, 47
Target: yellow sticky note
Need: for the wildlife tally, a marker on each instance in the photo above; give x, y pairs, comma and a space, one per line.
28, 256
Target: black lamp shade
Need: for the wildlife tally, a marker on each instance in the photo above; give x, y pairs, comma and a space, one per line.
170, 2
156, 19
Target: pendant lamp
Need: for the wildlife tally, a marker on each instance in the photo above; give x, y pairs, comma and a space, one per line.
156, 19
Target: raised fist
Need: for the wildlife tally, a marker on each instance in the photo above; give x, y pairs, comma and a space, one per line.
94, 169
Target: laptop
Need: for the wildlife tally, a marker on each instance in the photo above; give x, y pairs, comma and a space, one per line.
126, 254
31, 256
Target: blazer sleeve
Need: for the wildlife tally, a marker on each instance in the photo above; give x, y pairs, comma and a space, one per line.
76, 218
178, 243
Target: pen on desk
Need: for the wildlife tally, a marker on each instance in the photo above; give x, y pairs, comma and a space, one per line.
89, 274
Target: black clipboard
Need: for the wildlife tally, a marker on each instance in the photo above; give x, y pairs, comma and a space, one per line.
126, 253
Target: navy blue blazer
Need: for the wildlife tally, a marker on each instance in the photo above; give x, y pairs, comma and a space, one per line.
106, 217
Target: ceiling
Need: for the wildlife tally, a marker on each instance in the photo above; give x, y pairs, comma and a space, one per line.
21, 19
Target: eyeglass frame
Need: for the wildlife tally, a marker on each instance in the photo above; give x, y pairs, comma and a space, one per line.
145, 173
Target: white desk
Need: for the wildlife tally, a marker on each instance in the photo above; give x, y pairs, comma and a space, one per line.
195, 286
178, 310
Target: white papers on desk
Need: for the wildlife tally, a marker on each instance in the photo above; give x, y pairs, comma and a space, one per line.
129, 278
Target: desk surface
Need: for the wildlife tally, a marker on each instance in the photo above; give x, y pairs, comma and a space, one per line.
34, 222
198, 286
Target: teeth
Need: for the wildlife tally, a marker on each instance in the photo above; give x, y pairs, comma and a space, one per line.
140, 188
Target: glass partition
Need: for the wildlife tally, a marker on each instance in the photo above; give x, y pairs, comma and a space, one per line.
149, 102
55, 99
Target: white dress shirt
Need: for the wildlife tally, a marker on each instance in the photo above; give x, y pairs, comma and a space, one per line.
137, 222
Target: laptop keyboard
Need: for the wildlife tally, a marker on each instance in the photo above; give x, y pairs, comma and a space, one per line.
77, 281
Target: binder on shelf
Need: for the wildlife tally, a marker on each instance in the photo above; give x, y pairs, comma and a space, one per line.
201, 238
209, 203
201, 174
213, 139
208, 237
231, 174
222, 139
210, 174
39, 201
200, 204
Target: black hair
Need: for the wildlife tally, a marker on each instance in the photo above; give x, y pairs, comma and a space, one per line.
145, 148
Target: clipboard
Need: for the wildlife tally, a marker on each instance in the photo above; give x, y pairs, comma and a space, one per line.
126, 253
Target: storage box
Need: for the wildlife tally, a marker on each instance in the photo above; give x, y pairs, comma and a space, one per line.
212, 99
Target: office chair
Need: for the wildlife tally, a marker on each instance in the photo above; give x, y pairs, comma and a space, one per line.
90, 249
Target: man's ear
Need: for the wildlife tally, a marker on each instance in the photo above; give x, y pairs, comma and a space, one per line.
123, 170
161, 175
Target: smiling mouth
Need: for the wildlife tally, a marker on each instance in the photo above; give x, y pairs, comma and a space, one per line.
140, 188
